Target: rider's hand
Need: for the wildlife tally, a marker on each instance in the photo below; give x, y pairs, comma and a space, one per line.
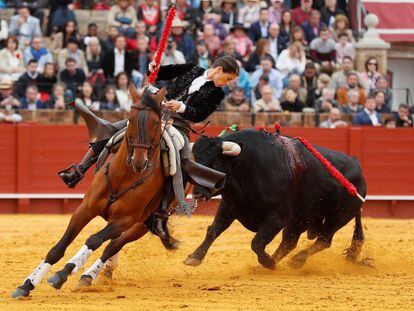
173, 105
152, 66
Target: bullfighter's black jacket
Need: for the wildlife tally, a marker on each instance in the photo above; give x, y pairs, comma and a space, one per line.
200, 104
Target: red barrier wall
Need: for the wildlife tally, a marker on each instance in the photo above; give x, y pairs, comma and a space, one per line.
31, 155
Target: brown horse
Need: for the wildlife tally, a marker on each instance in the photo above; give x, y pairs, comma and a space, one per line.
124, 192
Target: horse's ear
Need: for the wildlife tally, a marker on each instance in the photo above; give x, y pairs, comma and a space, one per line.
159, 97
134, 93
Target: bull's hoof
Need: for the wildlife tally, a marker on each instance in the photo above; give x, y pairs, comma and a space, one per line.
297, 261
57, 280
267, 262
192, 261
20, 293
85, 280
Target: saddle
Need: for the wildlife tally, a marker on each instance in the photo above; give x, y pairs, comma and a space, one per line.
171, 137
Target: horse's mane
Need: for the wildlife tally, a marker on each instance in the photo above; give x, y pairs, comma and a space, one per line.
148, 101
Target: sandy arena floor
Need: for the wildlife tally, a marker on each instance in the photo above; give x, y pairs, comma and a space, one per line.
150, 278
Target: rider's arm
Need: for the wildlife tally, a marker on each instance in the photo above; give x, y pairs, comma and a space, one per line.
170, 72
201, 108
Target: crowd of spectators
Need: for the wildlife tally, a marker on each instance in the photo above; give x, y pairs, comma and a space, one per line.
293, 55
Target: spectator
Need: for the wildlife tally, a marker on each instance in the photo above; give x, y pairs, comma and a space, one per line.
341, 25
30, 77
236, 101
11, 60
24, 26
62, 16
322, 82
322, 50
390, 123
38, 52
262, 50
112, 35
275, 78
382, 86
212, 41
85, 97
118, 60
185, 43
339, 78
291, 102
275, 12
380, 105
334, 120
260, 28
329, 12
92, 32
143, 56
57, 100
228, 13
263, 80
73, 51
352, 83
4, 33
7, 99
229, 48
122, 93
201, 56
303, 13
295, 85
54, 5
291, 60
123, 16
93, 55
309, 82
368, 116
344, 48
275, 43
72, 76
243, 80
286, 27
326, 102
267, 102
313, 27
298, 36
371, 73
249, 14
202, 14
31, 101
404, 119
47, 80
352, 106
172, 56
109, 100
61, 39
149, 12
243, 44
182, 9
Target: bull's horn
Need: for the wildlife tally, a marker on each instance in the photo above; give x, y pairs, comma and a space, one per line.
230, 148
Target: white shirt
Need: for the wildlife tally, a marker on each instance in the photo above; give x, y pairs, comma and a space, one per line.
194, 87
119, 61
273, 48
373, 117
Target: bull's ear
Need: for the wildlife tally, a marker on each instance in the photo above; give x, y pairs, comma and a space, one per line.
230, 148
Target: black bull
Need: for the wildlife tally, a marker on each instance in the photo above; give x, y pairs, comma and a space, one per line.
273, 182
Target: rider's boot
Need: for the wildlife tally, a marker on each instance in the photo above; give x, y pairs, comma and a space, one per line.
75, 172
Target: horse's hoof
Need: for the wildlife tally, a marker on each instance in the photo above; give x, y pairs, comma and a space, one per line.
192, 261
20, 293
57, 280
268, 263
170, 244
85, 280
297, 262
108, 273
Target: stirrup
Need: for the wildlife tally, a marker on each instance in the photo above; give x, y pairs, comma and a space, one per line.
73, 168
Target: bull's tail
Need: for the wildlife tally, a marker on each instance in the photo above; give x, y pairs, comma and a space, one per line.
353, 253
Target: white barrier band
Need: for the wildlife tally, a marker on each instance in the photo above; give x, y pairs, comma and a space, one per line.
94, 270
39, 273
80, 258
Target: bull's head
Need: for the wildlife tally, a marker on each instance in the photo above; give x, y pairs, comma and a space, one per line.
215, 153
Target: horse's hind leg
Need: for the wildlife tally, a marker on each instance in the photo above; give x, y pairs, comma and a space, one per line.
111, 231
80, 218
110, 266
134, 233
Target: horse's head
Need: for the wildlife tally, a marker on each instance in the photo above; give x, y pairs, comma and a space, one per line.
143, 133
